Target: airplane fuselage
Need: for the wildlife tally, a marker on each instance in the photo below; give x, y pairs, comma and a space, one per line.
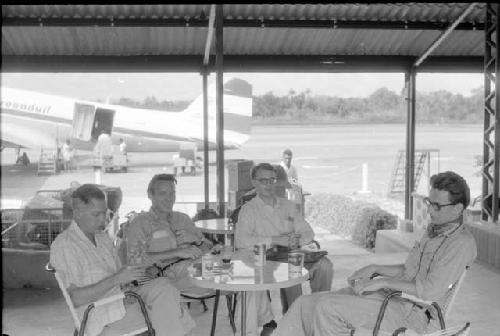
37, 120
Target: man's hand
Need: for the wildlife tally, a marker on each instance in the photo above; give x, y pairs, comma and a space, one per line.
185, 237
293, 240
191, 252
366, 285
364, 273
130, 273
280, 240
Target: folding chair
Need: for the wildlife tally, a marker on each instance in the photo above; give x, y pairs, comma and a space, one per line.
441, 312
80, 325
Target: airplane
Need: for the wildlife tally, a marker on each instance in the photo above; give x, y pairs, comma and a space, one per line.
42, 121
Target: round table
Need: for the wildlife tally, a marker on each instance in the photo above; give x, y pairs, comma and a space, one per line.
215, 226
244, 276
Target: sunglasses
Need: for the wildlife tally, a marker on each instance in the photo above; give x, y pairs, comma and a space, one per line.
436, 206
268, 181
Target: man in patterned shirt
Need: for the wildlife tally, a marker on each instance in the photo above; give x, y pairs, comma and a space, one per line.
89, 266
434, 263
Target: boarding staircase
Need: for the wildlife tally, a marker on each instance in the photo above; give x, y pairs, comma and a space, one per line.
47, 163
422, 156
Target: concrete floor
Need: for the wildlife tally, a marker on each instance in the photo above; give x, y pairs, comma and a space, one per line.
43, 311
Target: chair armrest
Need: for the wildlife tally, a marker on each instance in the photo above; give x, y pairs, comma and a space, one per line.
381, 312
108, 299
411, 298
91, 306
416, 299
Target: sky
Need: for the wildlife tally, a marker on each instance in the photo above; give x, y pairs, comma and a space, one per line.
187, 86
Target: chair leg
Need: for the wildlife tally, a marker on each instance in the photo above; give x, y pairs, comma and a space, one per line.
188, 304
214, 314
269, 295
231, 312
205, 308
235, 301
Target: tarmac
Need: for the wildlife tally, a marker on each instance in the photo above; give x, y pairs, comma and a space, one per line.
43, 311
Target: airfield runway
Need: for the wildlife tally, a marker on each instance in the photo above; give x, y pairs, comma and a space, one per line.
329, 159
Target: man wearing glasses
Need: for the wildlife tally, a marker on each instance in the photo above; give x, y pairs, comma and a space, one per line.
271, 220
434, 263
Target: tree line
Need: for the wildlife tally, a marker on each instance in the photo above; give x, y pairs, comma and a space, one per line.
382, 106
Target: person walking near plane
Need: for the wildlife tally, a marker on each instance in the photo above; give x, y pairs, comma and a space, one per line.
123, 146
290, 169
67, 152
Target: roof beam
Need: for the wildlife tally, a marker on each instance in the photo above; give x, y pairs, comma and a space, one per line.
240, 63
234, 23
210, 33
444, 35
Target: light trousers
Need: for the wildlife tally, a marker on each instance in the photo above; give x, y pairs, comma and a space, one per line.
344, 313
162, 301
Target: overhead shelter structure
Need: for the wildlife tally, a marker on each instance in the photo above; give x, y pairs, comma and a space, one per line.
343, 37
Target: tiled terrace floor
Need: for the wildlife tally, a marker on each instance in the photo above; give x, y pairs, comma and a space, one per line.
44, 313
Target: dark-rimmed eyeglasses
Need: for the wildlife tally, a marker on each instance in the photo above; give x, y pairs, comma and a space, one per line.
268, 181
436, 206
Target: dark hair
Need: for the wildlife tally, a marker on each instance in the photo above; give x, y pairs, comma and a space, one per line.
261, 166
454, 184
160, 177
87, 192
287, 152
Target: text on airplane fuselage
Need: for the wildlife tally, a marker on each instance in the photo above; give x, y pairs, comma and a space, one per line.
25, 107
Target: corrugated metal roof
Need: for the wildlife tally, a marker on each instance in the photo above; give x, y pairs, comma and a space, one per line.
237, 41
422, 12
88, 40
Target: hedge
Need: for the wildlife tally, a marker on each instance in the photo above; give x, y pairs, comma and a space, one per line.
350, 219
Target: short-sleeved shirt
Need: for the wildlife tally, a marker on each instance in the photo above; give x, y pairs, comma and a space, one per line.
291, 172
436, 263
258, 222
153, 231
80, 263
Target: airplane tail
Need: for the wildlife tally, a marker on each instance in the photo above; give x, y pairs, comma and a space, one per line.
237, 110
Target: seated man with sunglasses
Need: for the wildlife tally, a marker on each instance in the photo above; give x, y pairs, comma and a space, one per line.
435, 262
271, 220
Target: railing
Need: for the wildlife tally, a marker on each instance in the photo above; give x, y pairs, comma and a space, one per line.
32, 228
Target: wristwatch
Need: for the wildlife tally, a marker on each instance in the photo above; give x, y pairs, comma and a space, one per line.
198, 244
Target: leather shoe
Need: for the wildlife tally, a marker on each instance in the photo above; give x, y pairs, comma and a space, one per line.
268, 328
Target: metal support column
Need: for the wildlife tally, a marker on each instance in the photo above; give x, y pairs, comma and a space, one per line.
491, 142
220, 108
205, 138
410, 85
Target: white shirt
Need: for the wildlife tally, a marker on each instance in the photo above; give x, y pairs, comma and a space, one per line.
258, 222
81, 263
123, 148
104, 145
290, 172
67, 152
